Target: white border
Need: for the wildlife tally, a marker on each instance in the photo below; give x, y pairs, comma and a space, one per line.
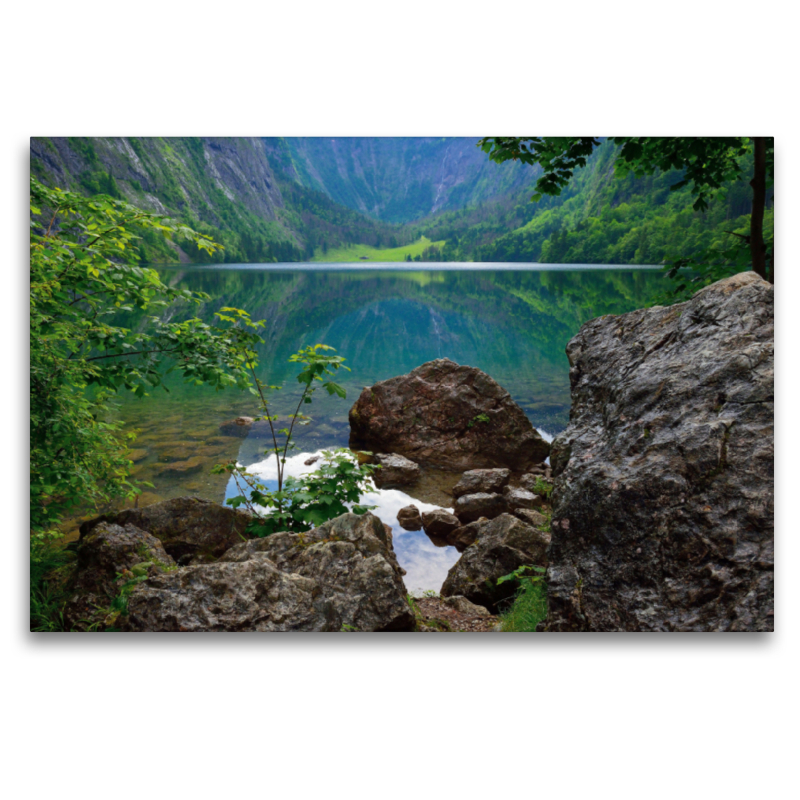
614, 716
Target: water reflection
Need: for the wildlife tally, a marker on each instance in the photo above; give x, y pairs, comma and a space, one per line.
512, 323
426, 564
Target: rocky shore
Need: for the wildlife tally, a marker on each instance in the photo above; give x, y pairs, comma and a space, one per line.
662, 500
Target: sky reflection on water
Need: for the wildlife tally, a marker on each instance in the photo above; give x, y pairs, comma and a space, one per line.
426, 564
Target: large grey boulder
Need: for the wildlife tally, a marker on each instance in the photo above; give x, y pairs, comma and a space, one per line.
343, 573
663, 500
447, 415
502, 545
252, 595
188, 527
108, 557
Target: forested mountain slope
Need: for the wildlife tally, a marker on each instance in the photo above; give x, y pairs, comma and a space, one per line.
397, 179
598, 219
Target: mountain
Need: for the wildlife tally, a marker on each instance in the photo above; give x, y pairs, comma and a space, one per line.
225, 187
298, 199
398, 179
599, 218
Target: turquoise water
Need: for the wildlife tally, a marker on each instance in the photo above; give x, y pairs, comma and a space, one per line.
511, 320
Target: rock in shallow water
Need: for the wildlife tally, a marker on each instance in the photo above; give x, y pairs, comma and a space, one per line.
470, 507
409, 518
663, 501
489, 481
238, 427
395, 470
447, 415
439, 523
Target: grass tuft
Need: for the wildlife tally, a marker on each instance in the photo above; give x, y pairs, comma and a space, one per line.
529, 607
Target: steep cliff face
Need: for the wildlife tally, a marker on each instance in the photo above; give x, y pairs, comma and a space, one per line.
398, 179
208, 177
664, 491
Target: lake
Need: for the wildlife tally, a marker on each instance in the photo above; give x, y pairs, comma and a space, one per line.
511, 320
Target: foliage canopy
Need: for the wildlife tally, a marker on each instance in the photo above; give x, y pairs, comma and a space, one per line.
83, 273
706, 164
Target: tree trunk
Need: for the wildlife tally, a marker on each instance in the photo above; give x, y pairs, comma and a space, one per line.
758, 251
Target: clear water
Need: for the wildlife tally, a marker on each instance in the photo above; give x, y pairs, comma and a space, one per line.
511, 320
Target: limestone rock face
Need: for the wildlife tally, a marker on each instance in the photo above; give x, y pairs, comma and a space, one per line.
663, 500
107, 552
470, 507
447, 415
409, 518
251, 595
490, 481
503, 544
342, 573
187, 526
395, 470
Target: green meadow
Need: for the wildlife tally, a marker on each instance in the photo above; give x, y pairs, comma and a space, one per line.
365, 252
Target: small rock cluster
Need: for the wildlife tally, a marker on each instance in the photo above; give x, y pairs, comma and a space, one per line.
342, 575
480, 495
497, 526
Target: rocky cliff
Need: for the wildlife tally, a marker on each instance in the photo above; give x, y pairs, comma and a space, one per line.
202, 175
663, 501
